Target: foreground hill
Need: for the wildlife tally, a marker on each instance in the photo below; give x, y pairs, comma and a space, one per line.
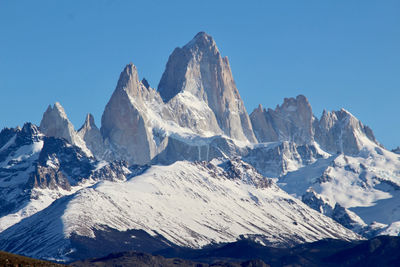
379, 251
8, 260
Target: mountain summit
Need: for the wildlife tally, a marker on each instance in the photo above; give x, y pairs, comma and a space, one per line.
178, 75
291, 121
56, 123
199, 69
123, 124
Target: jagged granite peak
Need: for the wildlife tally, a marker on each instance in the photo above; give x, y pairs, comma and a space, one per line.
129, 81
335, 132
279, 158
56, 123
175, 76
123, 124
92, 136
199, 70
89, 123
341, 132
291, 121
262, 126
203, 40
12, 139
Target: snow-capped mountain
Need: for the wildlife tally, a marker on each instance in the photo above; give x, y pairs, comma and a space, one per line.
196, 99
186, 204
36, 169
294, 121
197, 71
341, 168
185, 165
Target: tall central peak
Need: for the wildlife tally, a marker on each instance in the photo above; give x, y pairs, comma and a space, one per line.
191, 68
202, 41
199, 70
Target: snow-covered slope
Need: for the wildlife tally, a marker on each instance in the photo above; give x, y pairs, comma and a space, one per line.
188, 204
334, 164
35, 170
367, 184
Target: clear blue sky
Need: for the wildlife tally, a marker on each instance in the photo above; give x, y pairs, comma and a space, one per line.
339, 53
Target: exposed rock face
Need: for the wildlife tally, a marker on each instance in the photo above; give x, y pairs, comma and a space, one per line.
19, 149
317, 202
340, 214
198, 69
51, 178
197, 97
60, 164
341, 132
55, 123
208, 149
277, 159
292, 121
123, 124
36, 169
92, 136
114, 171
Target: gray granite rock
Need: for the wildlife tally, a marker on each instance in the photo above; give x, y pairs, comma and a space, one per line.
55, 123
198, 69
292, 121
341, 132
92, 136
123, 124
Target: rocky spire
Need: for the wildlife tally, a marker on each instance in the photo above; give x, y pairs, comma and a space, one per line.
123, 124
262, 127
341, 132
335, 132
198, 69
292, 121
92, 136
88, 124
56, 123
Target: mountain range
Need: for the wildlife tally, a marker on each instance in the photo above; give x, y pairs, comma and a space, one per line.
185, 165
